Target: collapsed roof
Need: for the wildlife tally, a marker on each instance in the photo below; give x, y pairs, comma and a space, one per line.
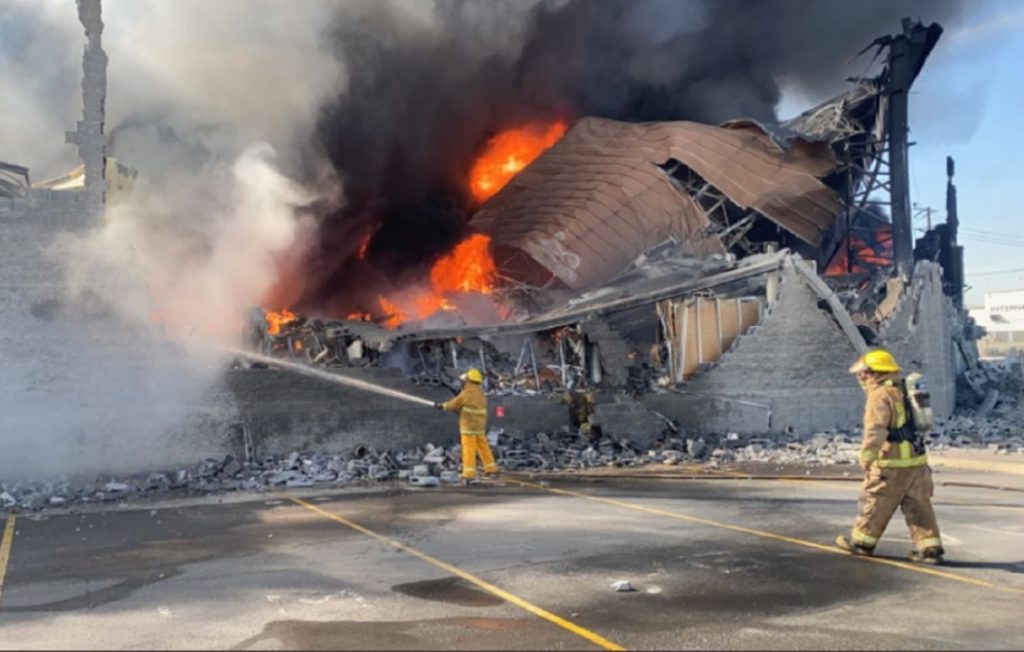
608, 190
630, 292
602, 195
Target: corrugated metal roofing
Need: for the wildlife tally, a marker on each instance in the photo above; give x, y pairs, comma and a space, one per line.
597, 199
644, 292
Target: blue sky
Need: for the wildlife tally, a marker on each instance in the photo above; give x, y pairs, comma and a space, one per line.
967, 103
975, 79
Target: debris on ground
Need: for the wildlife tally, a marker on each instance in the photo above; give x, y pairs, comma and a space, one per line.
437, 465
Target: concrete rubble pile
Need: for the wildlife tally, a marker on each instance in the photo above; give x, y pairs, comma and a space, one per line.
436, 465
994, 417
428, 466
992, 433
1004, 396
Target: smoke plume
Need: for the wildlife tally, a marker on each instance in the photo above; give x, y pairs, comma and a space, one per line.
124, 373
391, 100
194, 281
120, 374
189, 81
429, 84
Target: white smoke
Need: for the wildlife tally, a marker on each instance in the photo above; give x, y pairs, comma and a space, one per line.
192, 252
40, 69
121, 377
189, 81
127, 373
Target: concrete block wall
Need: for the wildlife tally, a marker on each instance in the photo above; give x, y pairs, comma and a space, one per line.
919, 332
80, 393
285, 411
31, 280
711, 414
627, 418
525, 416
793, 365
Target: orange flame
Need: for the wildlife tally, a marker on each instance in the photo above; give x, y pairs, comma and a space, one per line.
430, 303
275, 320
395, 315
359, 316
467, 268
508, 153
856, 255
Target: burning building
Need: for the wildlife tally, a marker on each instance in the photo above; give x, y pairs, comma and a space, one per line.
719, 278
710, 277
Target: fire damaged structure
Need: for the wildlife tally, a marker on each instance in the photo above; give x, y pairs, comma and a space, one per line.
669, 275
651, 278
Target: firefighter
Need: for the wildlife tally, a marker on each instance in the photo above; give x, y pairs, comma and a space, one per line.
893, 457
581, 410
471, 406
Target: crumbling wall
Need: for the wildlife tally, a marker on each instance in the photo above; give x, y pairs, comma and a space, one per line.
88, 134
790, 371
919, 332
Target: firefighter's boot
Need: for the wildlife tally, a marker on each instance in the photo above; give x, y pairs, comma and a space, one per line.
854, 548
931, 555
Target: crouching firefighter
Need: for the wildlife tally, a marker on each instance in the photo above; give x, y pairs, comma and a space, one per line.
897, 416
471, 406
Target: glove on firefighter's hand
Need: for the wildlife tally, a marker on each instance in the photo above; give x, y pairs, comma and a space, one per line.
439, 406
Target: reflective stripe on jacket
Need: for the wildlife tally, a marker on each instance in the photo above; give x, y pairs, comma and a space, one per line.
471, 405
884, 412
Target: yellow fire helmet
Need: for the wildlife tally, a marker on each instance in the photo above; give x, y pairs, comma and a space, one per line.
473, 376
877, 360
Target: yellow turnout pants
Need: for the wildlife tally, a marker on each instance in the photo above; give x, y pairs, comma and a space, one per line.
473, 445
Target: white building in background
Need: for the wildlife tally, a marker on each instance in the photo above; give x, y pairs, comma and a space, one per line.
1003, 317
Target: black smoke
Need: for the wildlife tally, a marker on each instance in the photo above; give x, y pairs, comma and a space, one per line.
422, 99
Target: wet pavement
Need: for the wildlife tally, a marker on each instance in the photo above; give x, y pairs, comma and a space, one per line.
716, 564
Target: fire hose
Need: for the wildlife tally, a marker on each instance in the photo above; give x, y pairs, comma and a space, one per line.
333, 378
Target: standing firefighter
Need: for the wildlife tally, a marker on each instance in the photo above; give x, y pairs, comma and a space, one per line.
894, 459
471, 406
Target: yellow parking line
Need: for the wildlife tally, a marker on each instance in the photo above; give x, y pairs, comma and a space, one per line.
5, 551
596, 639
771, 535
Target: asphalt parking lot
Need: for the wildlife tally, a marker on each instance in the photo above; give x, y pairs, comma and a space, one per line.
715, 564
